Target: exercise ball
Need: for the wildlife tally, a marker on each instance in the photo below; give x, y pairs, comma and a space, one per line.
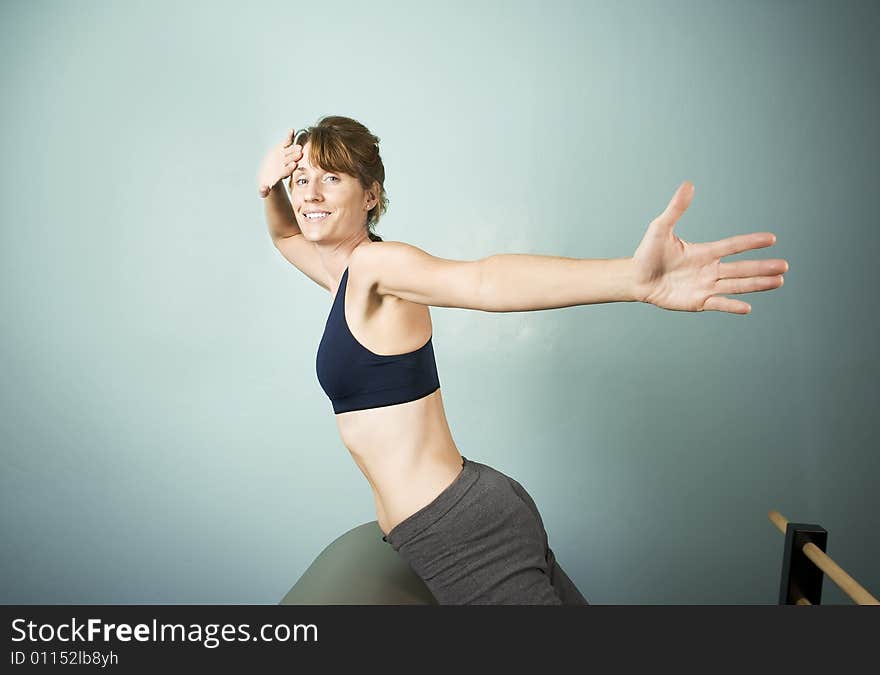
359, 568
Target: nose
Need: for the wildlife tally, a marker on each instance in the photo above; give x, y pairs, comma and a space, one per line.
313, 191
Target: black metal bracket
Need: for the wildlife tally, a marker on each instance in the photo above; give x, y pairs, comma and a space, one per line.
800, 576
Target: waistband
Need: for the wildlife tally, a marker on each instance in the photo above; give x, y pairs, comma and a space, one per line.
430, 514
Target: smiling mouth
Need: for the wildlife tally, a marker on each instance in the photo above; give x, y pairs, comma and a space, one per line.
314, 218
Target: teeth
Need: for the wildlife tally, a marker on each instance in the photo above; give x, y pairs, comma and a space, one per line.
316, 216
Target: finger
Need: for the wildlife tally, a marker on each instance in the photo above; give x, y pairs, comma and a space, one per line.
752, 268
720, 304
677, 205
290, 138
751, 285
740, 243
293, 150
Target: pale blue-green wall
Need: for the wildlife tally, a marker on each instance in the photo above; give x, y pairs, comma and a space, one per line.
164, 436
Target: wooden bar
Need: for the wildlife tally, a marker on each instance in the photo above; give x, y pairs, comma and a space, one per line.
834, 572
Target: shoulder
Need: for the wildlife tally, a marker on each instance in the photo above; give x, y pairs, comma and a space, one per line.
368, 261
379, 251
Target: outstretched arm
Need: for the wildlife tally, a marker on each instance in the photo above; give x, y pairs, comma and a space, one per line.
506, 282
664, 271
519, 282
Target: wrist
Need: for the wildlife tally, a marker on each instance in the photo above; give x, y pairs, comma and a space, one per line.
639, 292
270, 189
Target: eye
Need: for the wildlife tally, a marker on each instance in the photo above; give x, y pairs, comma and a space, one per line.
333, 177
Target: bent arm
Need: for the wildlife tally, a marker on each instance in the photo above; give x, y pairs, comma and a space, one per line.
287, 238
519, 282
279, 213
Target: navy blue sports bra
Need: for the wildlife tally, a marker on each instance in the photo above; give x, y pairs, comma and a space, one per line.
356, 379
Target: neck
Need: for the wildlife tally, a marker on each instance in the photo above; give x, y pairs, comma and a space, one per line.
335, 256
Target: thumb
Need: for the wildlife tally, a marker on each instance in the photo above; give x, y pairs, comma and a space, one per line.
677, 205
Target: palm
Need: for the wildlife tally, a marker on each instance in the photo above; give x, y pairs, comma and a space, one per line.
675, 274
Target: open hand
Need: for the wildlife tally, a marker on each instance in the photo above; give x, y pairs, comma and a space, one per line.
279, 163
675, 274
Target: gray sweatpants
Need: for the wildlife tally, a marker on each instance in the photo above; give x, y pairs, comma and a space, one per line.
482, 542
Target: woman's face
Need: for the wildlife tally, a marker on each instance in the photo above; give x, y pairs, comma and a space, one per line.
338, 195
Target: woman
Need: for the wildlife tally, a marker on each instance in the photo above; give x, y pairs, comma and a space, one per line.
471, 533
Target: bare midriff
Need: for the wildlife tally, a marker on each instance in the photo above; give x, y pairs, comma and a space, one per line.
405, 451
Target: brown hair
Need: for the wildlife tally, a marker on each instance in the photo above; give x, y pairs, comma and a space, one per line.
347, 146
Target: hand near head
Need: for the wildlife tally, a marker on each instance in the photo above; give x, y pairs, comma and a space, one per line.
675, 274
278, 164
